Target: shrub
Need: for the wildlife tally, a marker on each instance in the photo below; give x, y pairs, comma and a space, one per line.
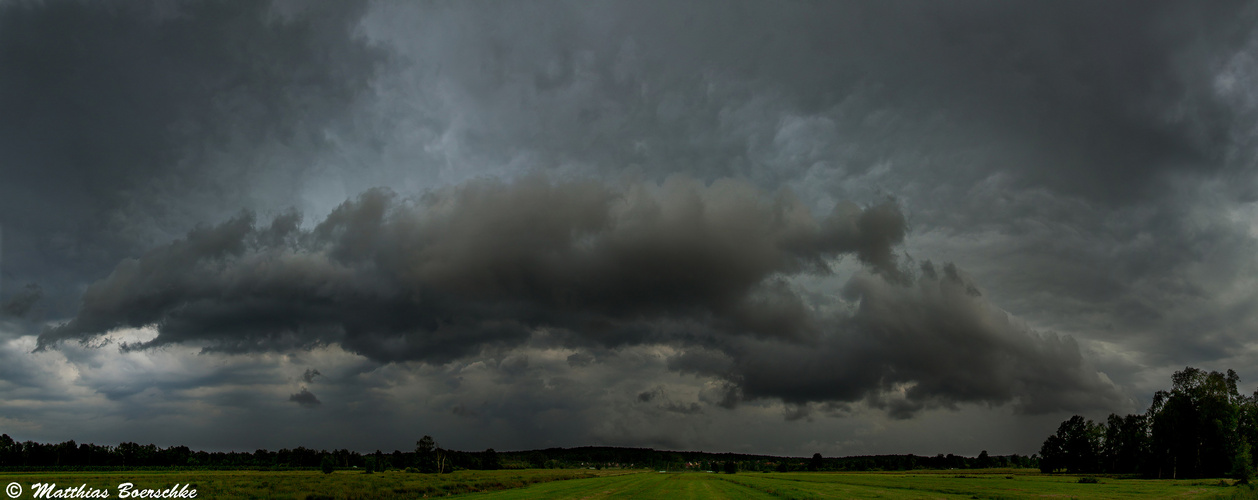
1088, 480
1242, 466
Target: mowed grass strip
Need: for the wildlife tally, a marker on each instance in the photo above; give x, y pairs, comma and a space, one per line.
301, 485
645, 485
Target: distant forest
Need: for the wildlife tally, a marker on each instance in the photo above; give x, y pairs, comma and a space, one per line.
428, 457
1202, 427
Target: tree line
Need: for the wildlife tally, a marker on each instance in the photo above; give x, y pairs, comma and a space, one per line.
429, 457
16, 455
1202, 427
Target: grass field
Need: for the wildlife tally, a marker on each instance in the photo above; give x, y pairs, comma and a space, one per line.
887, 485
589, 484
305, 484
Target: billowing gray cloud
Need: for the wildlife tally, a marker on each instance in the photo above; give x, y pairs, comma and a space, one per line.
660, 398
487, 263
908, 346
305, 398
491, 264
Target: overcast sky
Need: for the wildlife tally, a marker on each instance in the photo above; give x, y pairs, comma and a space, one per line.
776, 227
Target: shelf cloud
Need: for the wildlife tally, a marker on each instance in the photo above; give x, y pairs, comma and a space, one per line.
490, 264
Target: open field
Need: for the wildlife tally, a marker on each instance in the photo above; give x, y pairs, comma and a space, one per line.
590, 484
304, 484
887, 485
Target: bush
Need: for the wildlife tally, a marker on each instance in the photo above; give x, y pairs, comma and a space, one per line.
1088, 480
1242, 466
327, 464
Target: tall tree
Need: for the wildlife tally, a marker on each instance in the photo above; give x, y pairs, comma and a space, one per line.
1052, 453
1247, 429
1076, 447
425, 454
1196, 426
816, 462
489, 460
1126, 444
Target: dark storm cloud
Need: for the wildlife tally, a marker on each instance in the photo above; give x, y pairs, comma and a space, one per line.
486, 263
933, 342
660, 397
113, 111
1052, 148
305, 398
490, 264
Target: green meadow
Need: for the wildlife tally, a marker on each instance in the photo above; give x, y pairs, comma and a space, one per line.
614, 484
299, 485
994, 484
